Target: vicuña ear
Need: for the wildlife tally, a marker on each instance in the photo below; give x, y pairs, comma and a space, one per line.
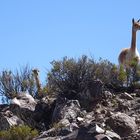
133, 20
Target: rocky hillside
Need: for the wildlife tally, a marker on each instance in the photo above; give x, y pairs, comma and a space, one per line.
108, 116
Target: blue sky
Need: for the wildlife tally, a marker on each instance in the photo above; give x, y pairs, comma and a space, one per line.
35, 32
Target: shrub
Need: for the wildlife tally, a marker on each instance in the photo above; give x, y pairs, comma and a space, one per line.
122, 75
133, 73
70, 76
18, 133
21, 81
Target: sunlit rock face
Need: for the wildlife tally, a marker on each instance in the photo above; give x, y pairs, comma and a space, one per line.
24, 100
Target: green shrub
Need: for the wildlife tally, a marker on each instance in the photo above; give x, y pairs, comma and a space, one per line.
18, 133
133, 73
122, 76
70, 76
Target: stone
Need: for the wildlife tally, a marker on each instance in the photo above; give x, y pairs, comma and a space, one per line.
107, 95
92, 94
122, 124
24, 100
42, 108
113, 135
8, 119
49, 138
127, 96
102, 137
96, 129
80, 119
66, 109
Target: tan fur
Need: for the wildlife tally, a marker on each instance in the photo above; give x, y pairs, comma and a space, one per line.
123, 56
36, 75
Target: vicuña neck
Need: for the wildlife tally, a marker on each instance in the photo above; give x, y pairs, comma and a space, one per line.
133, 41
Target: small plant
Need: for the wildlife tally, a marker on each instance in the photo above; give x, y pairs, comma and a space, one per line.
12, 83
114, 103
122, 76
18, 133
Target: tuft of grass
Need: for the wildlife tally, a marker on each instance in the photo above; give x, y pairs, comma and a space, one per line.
23, 132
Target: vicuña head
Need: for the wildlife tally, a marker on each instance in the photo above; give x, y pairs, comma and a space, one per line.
128, 54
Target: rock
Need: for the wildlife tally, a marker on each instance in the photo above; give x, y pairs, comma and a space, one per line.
72, 136
42, 108
133, 95
66, 109
62, 128
24, 106
109, 113
49, 138
102, 137
80, 119
107, 95
65, 130
92, 94
64, 119
20, 111
7, 120
137, 91
127, 96
87, 132
96, 129
122, 124
73, 132
24, 100
123, 106
113, 135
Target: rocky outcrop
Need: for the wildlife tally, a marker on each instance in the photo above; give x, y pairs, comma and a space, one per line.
110, 116
20, 111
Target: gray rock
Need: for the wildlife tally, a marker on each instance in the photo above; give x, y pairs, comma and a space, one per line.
88, 132
43, 112
49, 138
24, 100
20, 111
66, 109
108, 95
102, 137
96, 129
113, 135
122, 124
7, 120
127, 96
91, 94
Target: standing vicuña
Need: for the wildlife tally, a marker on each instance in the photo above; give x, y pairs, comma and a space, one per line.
128, 54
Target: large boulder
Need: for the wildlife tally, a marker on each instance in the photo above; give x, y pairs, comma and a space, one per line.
122, 124
23, 106
24, 100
